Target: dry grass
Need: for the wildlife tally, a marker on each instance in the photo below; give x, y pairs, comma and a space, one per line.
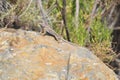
103, 51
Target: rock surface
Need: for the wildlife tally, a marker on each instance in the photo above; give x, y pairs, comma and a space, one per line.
27, 55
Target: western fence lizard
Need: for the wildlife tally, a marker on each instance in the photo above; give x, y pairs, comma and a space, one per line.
46, 30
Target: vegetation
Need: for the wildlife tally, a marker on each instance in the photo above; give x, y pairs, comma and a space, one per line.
76, 22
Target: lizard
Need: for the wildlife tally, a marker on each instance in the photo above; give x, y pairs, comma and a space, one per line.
47, 30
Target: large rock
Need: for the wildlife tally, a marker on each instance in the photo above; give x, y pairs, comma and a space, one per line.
27, 55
